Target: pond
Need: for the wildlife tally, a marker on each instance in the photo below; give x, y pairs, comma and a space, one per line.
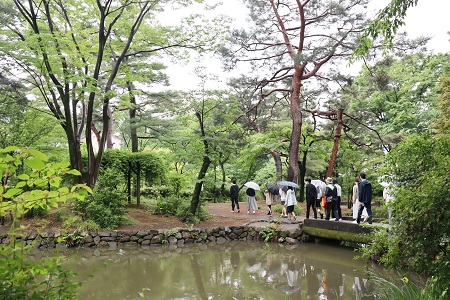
234, 270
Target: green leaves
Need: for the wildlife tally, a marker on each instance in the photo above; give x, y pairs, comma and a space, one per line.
38, 183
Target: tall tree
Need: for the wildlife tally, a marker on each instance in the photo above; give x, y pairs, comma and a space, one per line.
292, 41
74, 53
213, 134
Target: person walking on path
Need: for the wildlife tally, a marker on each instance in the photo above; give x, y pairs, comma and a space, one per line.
269, 201
311, 196
339, 195
387, 195
234, 195
319, 208
355, 199
291, 201
331, 196
364, 215
365, 198
252, 205
282, 192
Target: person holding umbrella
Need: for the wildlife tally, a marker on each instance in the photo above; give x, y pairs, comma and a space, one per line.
271, 191
291, 201
252, 205
282, 191
269, 201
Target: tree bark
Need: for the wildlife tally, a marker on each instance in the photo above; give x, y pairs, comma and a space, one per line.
278, 166
337, 137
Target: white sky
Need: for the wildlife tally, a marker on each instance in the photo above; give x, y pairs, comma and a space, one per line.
429, 17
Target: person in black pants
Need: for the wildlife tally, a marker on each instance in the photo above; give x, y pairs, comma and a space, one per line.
234, 195
331, 194
339, 195
311, 195
365, 198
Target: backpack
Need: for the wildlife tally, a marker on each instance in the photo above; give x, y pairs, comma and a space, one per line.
331, 194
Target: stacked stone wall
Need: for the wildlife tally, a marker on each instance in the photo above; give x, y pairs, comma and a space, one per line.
158, 237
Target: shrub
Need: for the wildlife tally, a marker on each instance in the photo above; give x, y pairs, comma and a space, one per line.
107, 207
24, 279
278, 209
179, 207
29, 181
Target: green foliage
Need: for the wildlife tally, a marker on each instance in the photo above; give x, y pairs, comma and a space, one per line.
278, 209
107, 207
72, 238
396, 97
271, 232
170, 206
419, 168
179, 207
126, 163
28, 182
389, 290
386, 24
25, 279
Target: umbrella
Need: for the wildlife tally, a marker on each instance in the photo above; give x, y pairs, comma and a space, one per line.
252, 185
319, 183
288, 183
273, 188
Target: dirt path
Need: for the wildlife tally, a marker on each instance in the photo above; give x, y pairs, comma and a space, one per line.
145, 220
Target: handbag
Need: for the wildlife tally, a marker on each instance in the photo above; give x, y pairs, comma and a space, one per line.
323, 203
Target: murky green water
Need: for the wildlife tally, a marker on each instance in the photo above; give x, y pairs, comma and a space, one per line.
237, 270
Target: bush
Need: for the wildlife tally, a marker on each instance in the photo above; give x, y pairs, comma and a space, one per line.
107, 207
278, 209
169, 206
42, 280
34, 187
179, 207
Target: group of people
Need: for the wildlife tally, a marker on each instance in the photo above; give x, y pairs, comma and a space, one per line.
328, 199
286, 195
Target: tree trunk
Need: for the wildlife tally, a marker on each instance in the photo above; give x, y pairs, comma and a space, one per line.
138, 184
278, 166
224, 178
132, 114
129, 174
302, 175
337, 137
296, 113
205, 165
198, 185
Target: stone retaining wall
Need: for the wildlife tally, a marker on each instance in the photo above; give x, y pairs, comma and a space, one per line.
157, 237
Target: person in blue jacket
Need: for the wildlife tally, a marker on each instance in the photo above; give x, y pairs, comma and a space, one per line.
365, 198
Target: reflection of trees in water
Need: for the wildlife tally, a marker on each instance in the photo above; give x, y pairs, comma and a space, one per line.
235, 270
196, 272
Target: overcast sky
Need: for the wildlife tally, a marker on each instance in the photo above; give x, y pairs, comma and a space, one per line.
429, 17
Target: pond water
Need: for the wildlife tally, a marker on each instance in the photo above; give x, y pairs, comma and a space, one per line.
235, 270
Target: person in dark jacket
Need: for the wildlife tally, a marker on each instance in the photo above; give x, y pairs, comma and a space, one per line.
311, 195
365, 198
331, 194
234, 195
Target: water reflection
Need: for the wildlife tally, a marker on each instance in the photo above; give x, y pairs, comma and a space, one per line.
237, 270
